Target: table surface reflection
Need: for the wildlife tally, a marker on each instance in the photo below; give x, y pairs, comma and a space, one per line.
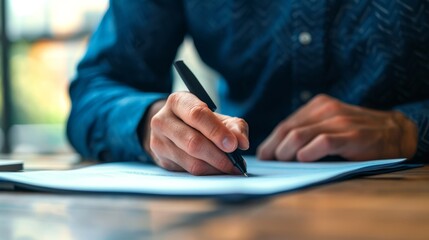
388, 206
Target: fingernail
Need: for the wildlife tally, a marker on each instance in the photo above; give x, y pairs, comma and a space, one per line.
247, 145
228, 144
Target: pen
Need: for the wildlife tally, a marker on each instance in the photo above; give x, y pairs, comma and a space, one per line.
197, 89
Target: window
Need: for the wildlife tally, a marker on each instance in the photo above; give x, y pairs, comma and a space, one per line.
46, 40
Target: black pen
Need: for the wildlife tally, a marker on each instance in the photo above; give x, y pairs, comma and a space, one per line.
197, 89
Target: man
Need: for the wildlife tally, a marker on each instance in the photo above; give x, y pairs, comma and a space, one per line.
305, 79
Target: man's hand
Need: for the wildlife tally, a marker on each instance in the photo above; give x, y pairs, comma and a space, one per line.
183, 134
325, 126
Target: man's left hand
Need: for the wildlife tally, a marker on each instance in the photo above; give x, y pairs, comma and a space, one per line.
326, 126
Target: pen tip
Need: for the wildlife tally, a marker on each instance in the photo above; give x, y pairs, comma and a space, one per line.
245, 174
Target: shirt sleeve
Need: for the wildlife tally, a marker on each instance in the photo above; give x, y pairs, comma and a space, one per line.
419, 113
126, 68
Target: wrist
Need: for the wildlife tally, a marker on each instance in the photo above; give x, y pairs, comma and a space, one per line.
409, 135
144, 129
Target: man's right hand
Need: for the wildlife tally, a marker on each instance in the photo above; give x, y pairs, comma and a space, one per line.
183, 134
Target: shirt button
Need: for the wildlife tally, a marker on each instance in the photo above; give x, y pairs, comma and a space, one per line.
305, 95
304, 38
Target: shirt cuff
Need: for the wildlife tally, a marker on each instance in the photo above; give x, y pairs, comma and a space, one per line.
123, 141
420, 116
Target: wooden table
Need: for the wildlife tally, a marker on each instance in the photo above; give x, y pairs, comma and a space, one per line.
389, 206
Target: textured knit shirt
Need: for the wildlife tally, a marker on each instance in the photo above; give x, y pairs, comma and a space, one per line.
273, 56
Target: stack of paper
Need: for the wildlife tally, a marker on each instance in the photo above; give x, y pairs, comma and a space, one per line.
265, 178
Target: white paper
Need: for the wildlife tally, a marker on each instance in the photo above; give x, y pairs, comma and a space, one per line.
266, 177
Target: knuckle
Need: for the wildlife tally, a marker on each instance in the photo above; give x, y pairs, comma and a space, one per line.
333, 106
173, 99
262, 151
354, 133
194, 144
215, 130
241, 122
281, 153
282, 128
197, 168
341, 120
243, 125
162, 163
326, 141
197, 112
357, 134
155, 144
278, 153
296, 136
166, 164
157, 122
321, 98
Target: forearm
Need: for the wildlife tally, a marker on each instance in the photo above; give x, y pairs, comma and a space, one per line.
125, 69
103, 121
144, 128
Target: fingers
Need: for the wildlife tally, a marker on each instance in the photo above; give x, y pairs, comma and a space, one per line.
195, 113
243, 138
296, 139
239, 128
346, 144
175, 159
187, 135
186, 145
313, 143
293, 142
352, 132
319, 109
323, 145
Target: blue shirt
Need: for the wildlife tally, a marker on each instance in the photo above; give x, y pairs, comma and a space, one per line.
272, 56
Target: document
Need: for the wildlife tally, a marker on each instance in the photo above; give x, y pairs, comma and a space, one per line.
265, 178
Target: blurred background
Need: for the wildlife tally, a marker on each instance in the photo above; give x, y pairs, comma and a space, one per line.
42, 41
